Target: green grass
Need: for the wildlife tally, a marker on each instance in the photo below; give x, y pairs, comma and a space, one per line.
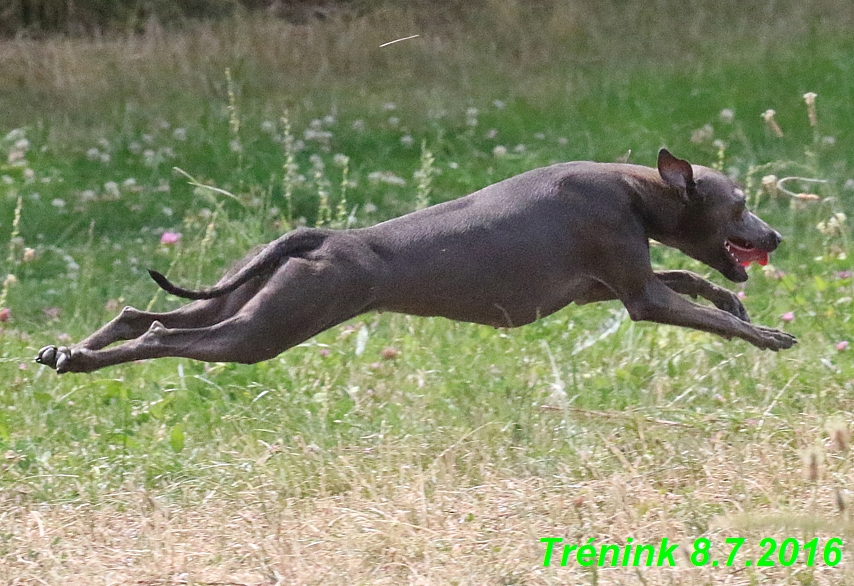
460, 407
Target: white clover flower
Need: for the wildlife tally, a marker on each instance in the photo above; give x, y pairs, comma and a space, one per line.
29, 174
22, 144
15, 157
499, 151
129, 182
369, 208
167, 211
104, 158
9, 181
111, 188
359, 125
389, 106
407, 140
340, 160
386, 177
58, 203
471, 117
93, 154
104, 143
316, 124
833, 226
562, 141
319, 135
491, 133
134, 148
704, 134
499, 104
394, 120
540, 136
727, 115
519, 148
453, 165
14, 135
150, 158
329, 119
235, 145
147, 138
179, 134
87, 195
828, 141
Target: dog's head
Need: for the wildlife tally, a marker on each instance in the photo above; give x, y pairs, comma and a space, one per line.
715, 226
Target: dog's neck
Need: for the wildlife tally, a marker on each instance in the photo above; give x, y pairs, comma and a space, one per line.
659, 205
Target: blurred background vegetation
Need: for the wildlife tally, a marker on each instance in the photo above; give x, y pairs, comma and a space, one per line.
38, 17
297, 108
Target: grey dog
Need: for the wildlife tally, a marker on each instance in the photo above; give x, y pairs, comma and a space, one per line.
503, 256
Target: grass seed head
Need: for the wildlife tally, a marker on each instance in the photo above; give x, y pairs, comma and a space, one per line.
840, 436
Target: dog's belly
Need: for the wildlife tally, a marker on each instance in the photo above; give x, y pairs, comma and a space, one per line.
507, 305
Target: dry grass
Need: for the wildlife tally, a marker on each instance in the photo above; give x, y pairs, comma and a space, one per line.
511, 44
447, 524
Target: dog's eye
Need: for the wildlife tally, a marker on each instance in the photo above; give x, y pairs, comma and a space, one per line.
738, 209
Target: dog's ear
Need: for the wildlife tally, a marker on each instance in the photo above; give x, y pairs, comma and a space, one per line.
676, 173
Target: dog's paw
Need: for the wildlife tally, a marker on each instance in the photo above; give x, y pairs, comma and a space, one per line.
57, 358
730, 303
775, 340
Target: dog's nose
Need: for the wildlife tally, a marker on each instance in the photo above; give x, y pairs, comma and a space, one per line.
775, 239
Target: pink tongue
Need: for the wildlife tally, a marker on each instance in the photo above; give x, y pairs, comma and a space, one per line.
745, 256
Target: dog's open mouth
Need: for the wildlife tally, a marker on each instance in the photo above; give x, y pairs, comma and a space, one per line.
744, 253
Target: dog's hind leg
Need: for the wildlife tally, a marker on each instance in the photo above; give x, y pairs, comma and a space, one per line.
132, 322
302, 299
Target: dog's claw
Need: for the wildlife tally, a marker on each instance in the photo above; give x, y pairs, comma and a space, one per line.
776, 339
47, 356
56, 358
62, 359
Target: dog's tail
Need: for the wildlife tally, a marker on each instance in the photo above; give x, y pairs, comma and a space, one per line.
264, 263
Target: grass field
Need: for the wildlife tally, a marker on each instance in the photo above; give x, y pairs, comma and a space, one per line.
397, 449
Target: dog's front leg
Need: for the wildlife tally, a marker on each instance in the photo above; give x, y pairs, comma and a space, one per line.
654, 301
684, 282
688, 283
